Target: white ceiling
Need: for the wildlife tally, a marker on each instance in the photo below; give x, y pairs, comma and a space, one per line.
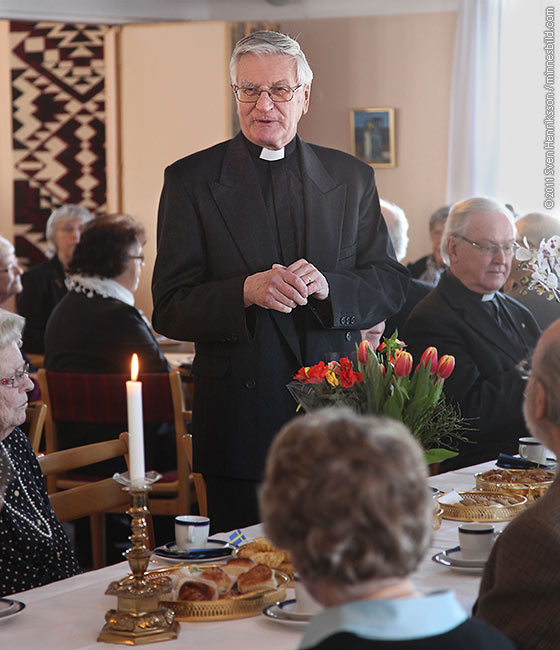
142, 11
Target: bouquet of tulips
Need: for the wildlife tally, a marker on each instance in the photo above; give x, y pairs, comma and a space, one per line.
382, 382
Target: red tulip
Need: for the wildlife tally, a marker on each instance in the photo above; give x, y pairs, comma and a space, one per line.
403, 364
382, 368
429, 359
446, 366
363, 351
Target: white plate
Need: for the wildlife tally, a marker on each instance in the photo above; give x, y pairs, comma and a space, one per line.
215, 550
9, 608
287, 612
453, 559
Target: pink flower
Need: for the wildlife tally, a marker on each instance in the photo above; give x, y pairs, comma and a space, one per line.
364, 350
403, 364
429, 359
445, 366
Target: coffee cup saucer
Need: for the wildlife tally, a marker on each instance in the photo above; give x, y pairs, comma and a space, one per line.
452, 558
287, 612
215, 549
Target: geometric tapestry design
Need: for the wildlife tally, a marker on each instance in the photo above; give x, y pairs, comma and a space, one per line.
58, 110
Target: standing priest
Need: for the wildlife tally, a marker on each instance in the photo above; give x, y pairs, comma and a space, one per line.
272, 254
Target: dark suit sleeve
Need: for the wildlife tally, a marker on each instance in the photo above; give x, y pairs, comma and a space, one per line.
188, 304
374, 286
33, 304
485, 382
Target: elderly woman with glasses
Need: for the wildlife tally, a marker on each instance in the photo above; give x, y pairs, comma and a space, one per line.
96, 328
348, 496
34, 549
43, 285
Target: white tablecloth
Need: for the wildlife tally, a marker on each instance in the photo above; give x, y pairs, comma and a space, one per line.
69, 614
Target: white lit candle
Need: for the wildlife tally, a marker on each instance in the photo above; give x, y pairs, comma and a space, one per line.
135, 424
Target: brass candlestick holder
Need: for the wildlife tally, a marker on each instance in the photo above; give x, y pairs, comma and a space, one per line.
139, 618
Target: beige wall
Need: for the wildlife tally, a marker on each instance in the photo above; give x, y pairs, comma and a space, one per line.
161, 118
401, 61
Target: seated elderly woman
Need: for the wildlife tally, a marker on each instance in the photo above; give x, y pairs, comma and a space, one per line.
347, 495
34, 549
43, 284
96, 328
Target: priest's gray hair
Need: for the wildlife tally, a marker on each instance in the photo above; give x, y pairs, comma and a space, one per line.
61, 216
6, 247
459, 216
271, 43
347, 496
11, 327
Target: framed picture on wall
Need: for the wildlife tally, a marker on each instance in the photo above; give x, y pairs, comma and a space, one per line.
372, 135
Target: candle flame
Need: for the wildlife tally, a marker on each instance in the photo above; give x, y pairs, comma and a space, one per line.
134, 367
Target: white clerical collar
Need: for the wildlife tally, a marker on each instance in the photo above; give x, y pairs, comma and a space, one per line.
272, 154
487, 296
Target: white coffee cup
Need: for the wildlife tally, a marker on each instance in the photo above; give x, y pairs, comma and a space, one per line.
305, 603
533, 450
476, 540
191, 531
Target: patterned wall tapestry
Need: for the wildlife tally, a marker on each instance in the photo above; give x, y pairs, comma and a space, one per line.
58, 108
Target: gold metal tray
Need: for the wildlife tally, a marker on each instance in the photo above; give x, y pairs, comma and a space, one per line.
496, 512
532, 491
224, 609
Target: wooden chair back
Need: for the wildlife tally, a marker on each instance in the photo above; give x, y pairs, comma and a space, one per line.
92, 499
35, 417
101, 398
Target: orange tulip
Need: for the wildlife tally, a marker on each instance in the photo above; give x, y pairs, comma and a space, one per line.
445, 366
429, 359
363, 351
403, 364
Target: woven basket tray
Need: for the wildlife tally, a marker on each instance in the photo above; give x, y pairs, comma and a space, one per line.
496, 512
530, 490
224, 609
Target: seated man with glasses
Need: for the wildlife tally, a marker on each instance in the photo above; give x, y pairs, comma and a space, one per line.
487, 332
272, 254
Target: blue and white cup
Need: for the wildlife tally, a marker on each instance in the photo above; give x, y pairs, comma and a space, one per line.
476, 540
191, 531
533, 450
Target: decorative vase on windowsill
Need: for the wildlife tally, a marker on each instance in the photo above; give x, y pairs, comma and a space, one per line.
381, 382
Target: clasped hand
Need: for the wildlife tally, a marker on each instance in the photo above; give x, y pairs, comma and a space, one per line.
283, 288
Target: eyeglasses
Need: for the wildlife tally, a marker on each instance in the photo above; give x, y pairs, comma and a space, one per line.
251, 94
11, 268
490, 249
137, 257
17, 379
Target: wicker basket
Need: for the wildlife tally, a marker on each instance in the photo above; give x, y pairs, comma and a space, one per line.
224, 609
496, 512
532, 491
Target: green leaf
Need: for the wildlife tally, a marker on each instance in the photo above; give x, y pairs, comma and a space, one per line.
438, 455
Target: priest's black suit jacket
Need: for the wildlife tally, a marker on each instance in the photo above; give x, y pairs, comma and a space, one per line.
212, 234
485, 382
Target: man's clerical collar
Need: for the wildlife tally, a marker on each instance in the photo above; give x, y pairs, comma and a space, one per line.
272, 154
487, 296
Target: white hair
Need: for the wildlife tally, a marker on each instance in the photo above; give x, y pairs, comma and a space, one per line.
64, 214
397, 225
271, 43
6, 247
11, 327
459, 216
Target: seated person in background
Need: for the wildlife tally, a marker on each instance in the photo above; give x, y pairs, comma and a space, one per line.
347, 496
534, 227
520, 588
397, 225
96, 328
43, 285
10, 285
487, 333
34, 549
430, 267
